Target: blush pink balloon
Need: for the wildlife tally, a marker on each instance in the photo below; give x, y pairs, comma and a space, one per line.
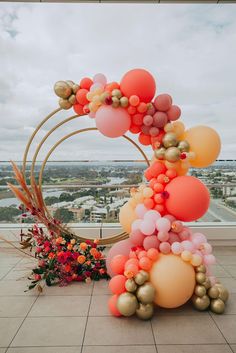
123, 247
140, 210
173, 237
206, 248
151, 110
96, 86
174, 113
163, 236
170, 217
160, 119
212, 280
137, 237
176, 248
152, 215
184, 234
150, 242
198, 239
209, 259
163, 102
147, 227
164, 248
92, 115
100, 78
154, 131
148, 120
163, 225
136, 224
112, 122
187, 245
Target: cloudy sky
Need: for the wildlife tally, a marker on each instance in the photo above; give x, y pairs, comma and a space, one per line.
190, 49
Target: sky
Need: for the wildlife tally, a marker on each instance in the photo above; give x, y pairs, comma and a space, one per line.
189, 49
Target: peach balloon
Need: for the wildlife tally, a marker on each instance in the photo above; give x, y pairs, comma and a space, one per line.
205, 143
173, 279
127, 216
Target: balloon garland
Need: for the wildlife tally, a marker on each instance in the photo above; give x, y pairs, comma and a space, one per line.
162, 262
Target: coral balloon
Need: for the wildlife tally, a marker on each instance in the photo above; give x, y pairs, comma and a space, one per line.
112, 122
137, 237
127, 216
117, 284
163, 102
122, 247
205, 143
112, 305
151, 242
138, 82
188, 198
118, 264
173, 279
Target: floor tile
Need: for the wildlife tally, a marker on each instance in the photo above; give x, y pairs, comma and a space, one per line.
233, 347
231, 269
99, 306
224, 250
219, 348
186, 309
229, 283
113, 331
101, 288
15, 307
230, 307
61, 306
219, 271
4, 271
3, 350
8, 329
45, 350
119, 349
226, 259
50, 331
71, 289
185, 330
15, 288
227, 325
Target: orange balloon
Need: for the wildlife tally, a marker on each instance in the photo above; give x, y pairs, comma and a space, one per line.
127, 216
173, 279
117, 284
86, 83
205, 143
138, 82
188, 198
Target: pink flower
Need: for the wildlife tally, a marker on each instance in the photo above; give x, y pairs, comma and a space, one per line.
38, 250
37, 277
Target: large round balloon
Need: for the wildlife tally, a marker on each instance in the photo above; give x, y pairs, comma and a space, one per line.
112, 122
138, 82
205, 143
127, 216
123, 247
188, 198
173, 279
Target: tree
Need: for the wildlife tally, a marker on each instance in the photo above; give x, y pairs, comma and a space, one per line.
50, 200
65, 196
8, 214
64, 215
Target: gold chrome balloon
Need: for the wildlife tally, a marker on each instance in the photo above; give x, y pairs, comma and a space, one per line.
201, 268
200, 277
170, 140
130, 285
75, 88
115, 102
223, 292
200, 291
201, 303
116, 93
172, 154
62, 89
145, 274
124, 102
64, 104
207, 283
213, 292
127, 304
160, 153
146, 293
70, 83
145, 311
217, 306
140, 279
183, 146
72, 99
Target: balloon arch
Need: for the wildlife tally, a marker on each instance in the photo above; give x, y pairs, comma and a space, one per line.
157, 259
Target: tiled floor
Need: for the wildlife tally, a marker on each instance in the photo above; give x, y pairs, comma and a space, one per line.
75, 319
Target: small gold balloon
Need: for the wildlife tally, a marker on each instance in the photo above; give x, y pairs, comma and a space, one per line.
62, 89
104, 96
145, 311
115, 102
207, 283
201, 268
201, 303
160, 153
213, 292
124, 102
72, 99
170, 140
127, 304
64, 104
130, 285
223, 292
172, 154
183, 146
146, 293
217, 306
140, 279
75, 88
144, 274
116, 93
200, 291
200, 277
70, 83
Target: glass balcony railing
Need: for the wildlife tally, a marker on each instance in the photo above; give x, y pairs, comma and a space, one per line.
94, 191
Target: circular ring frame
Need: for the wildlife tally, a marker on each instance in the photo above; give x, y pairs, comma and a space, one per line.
105, 241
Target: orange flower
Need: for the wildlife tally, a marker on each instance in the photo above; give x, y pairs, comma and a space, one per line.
73, 241
88, 263
51, 255
97, 255
93, 251
59, 240
69, 246
81, 259
83, 246
96, 241
67, 268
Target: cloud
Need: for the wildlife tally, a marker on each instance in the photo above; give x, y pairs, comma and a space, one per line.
189, 49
